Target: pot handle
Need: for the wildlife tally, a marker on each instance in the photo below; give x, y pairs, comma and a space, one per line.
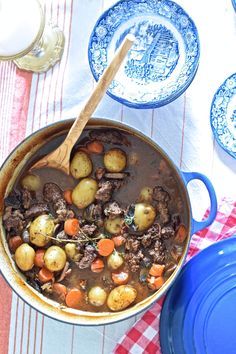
199, 225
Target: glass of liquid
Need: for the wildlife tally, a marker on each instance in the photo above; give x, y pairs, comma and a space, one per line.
26, 38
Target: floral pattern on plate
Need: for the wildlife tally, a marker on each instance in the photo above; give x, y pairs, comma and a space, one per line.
163, 60
223, 115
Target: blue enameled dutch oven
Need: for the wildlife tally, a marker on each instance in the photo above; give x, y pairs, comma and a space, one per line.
8, 174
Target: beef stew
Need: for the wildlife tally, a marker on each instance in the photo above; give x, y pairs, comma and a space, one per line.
105, 237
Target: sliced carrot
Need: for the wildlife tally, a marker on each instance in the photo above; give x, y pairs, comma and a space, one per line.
181, 234
105, 246
14, 242
68, 196
118, 240
155, 283
97, 265
120, 278
95, 147
71, 226
45, 275
60, 290
38, 259
74, 298
156, 270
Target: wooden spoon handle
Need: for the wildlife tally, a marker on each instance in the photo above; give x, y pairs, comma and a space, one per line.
101, 87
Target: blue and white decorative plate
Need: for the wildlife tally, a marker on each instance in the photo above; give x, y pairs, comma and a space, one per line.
162, 62
223, 115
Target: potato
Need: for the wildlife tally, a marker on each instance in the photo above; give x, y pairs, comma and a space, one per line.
72, 253
84, 193
41, 229
97, 296
55, 258
144, 216
81, 166
31, 182
145, 195
121, 297
115, 160
24, 257
113, 226
115, 261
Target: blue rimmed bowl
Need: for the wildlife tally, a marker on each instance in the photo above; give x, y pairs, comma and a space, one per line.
162, 62
223, 115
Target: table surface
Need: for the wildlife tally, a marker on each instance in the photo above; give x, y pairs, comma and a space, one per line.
182, 129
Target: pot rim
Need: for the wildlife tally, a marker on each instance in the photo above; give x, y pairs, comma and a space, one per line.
51, 308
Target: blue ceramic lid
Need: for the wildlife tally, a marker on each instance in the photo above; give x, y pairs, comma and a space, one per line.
199, 312
162, 62
223, 115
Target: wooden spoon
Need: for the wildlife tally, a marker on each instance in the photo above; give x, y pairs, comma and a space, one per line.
60, 158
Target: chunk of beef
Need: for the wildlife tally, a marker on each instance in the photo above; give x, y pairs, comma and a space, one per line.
36, 210
158, 252
164, 215
154, 232
167, 232
89, 255
99, 173
104, 192
13, 220
53, 194
146, 240
134, 260
109, 137
88, 229
94, 213
13, 200
132, 244
160, 195
26, 198
112, 210
117, 183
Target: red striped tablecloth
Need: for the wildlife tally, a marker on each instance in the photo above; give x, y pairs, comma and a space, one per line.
30, 101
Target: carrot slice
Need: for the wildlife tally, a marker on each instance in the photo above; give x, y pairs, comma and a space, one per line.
156, 270
71, 226
14, 242
118, 240
105, 246
45, 275
181, 234
155, 283
97, 265
68, 196
74, 298
39, 258
95, 147
60, 290
120, 278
